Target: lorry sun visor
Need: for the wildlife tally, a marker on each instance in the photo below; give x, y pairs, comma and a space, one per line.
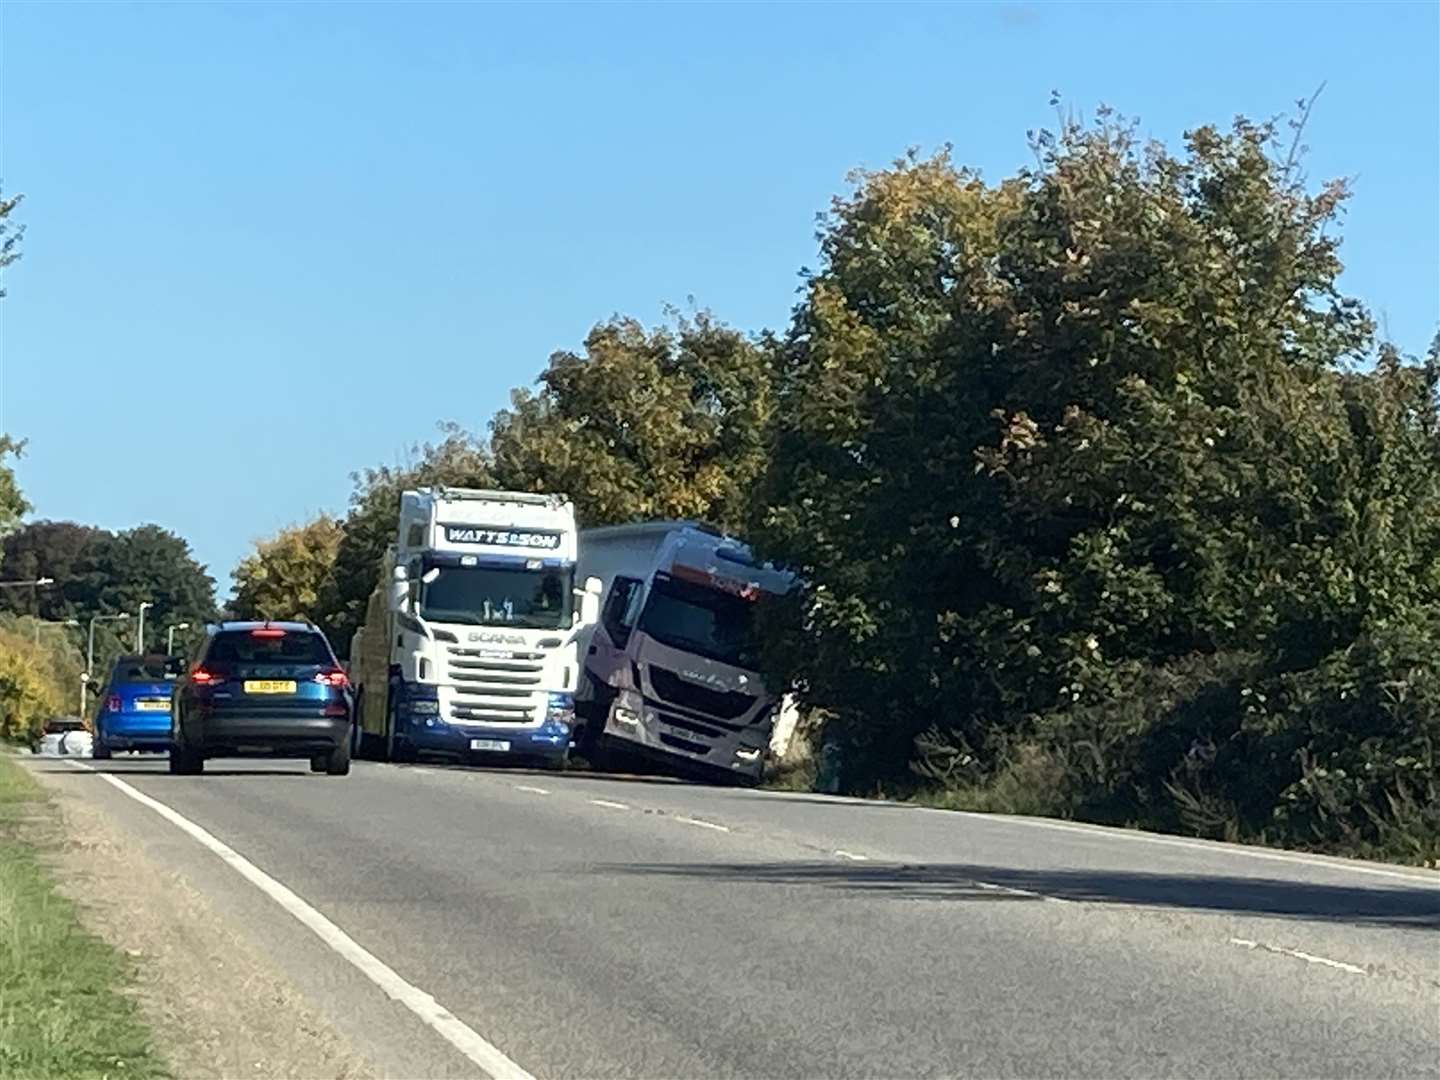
696, 576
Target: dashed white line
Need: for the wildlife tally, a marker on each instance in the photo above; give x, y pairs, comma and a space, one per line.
608, 804
489, 1058
531, 790
702, 824
1309, 958
850, 855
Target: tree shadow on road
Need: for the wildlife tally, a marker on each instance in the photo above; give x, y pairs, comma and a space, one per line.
1391, 906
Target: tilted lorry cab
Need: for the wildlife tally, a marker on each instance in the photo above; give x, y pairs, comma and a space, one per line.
670, 668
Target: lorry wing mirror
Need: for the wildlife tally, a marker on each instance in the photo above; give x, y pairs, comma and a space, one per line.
590, 602
400, 589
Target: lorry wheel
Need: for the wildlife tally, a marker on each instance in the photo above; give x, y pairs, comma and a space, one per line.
390, 741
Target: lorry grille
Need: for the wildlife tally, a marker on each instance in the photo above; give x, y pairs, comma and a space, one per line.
495, 689
724, 704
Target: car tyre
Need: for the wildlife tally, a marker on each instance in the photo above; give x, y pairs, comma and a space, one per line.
319, 762
98, 750
337, 763
185, 762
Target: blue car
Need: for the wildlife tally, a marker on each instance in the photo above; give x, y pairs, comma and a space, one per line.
134, 710
271, 689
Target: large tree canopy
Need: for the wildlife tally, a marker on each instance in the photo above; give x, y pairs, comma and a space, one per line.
665, 423
101, 573
1051, 449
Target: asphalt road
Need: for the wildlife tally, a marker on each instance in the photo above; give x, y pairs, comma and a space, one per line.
596, 927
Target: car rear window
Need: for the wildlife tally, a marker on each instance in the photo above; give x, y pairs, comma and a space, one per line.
291, 647
134, 669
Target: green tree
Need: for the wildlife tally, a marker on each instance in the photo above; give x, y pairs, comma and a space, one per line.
29, 694
1062, 456
12, 504
119, 571
664, 423
287, 574
458, 459
53, 549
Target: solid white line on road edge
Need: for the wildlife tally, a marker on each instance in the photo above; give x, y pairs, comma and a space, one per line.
851, 856
1309, 958
422, 770
531, 790
703, 824
608, 804
450, 1027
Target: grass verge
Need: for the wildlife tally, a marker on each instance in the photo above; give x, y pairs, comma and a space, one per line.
63, 1007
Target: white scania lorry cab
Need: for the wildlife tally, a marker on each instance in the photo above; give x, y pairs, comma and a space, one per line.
470, 642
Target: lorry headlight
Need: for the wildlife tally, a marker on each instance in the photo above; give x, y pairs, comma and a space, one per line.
424, 707
747, 754
561, 711
628, 717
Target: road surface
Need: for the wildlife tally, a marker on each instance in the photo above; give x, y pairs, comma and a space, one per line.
589, 926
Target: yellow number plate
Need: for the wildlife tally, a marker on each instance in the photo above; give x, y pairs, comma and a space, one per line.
152, 705
269, 686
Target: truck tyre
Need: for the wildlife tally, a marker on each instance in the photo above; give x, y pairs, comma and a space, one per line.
397, 747
390, 741
337, 762
362, 745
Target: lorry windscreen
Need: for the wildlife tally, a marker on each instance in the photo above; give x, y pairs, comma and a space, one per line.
500, 596
704, 621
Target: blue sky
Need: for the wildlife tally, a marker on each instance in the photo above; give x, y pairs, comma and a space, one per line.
269, 245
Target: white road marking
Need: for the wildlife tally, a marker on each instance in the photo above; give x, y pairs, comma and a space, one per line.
608, 804
990, 886
421, 770
703, 824
1309, 958
531, 790
451, 1028
851, 856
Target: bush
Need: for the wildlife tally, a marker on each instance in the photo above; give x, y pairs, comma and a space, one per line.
28, 694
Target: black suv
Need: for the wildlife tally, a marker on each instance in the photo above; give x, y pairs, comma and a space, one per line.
271, 689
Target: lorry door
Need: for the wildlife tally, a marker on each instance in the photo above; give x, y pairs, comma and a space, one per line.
606, 656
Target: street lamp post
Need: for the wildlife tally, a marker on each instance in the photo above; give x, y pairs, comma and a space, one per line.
170, 636
145, 605
34, 583
90, 652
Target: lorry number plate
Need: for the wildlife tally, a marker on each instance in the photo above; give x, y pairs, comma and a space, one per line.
500, 745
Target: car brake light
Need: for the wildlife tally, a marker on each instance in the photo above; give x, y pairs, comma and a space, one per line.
201, 677
333, 678
267, 631
114, 703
